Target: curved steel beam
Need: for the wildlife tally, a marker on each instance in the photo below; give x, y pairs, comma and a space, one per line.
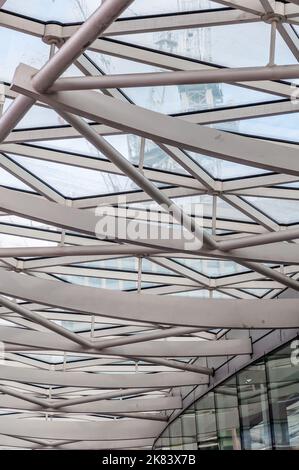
101, 381
202, 313
78, 430
41, 340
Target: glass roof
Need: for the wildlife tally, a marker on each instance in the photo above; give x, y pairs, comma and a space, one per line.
230, 46
161, 186
71, 11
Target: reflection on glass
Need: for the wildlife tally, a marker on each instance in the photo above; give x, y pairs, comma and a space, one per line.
257, 409
78, 10
189, 429
283, 378
176, 434
227, 415
254, 408
233, 45
206, 423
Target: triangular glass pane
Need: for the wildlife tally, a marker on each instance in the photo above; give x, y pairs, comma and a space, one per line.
282, 211
75, 182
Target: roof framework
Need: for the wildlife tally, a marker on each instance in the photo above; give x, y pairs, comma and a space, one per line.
95, 367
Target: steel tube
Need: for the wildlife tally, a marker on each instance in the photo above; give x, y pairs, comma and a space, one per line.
262, 239
53, 252
272, 274
23, 396
133, 339
222, 75
44, 322
96, 24
179, 365
128, 169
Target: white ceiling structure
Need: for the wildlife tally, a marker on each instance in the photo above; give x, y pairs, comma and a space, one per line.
167, 105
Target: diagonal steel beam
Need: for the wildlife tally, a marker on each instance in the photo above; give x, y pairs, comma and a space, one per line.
158, 127
35, 317
127, 167
28, 178
86, 34
135, 405
172, 62
128, 392
167, 22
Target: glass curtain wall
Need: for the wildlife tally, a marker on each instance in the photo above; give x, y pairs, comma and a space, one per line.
257, 409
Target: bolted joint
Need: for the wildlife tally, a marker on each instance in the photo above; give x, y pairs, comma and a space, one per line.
271, 17
53, 34
214, 192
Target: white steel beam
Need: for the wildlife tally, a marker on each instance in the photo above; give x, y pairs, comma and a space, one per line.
78, 430
88, 32
172, 22
154, 309
183, 348
149, 124
134, 405
101, 381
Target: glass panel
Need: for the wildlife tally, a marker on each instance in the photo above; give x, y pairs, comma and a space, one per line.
176, 434
206, 423
238, 45
224, 170
37, 116
189, 429
257, 292
282, 210
60, 10
10, 181
227, 415
190, 98
181, 98
156, 7
67, 11
164, 442
254, 408
283, 127
127, 264
75, 182
118, 65
154, 156
16, 47
203, 293
10, 241
212, 267
80, 146
283, 376
115, 284
258, 406
224, 210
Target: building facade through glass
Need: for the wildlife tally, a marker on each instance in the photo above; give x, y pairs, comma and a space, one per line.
257, 409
